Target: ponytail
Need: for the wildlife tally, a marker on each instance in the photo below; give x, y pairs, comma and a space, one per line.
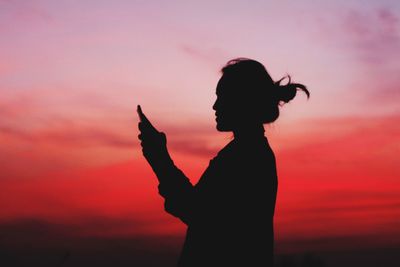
285, 93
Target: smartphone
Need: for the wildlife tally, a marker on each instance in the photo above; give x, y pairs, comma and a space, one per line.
142, 117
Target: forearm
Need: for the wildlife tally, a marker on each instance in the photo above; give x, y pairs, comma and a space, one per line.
172, 180
175, 188
165, 169
178, 193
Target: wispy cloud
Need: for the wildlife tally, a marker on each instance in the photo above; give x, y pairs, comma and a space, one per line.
71, 136
375, 38
344, 140
375, 35
212, 56
27, 12
194, 147
367, 41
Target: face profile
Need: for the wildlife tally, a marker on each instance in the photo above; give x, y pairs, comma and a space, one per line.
225, 106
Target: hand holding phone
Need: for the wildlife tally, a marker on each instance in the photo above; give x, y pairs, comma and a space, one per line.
153, 142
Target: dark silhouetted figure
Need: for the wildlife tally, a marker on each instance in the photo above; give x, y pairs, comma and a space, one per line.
229, 212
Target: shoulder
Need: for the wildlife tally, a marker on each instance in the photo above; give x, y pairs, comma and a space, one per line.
253, 152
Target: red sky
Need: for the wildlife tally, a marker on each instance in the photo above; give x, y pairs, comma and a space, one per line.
72, 73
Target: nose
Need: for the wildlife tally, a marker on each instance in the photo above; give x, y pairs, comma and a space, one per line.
215, 105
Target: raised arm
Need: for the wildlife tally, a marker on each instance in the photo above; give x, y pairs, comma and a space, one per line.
174, 186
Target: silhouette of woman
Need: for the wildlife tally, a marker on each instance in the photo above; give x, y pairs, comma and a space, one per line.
229, 212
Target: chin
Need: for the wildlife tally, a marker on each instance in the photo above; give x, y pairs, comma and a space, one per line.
223, 128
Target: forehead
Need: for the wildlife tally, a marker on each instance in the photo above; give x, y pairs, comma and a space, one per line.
223, 84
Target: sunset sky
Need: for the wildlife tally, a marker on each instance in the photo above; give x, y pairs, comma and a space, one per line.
72, 73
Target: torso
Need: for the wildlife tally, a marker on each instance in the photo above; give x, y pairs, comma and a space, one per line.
235, 198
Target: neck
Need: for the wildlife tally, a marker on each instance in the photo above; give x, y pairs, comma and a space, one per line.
249, 132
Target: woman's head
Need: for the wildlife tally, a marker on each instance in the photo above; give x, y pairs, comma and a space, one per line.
247, 95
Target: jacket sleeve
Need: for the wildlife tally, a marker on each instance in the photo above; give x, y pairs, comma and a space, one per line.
177, 192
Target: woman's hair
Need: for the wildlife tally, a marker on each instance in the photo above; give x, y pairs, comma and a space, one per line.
256, 90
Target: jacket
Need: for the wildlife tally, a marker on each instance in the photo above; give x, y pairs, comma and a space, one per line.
229, 212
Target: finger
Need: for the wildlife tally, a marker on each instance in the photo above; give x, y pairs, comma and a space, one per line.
143, 145
145, 132
144, 138
144, 128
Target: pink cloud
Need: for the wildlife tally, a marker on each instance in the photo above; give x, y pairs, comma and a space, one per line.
211, 56
27, 12
375, 36
368, 41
